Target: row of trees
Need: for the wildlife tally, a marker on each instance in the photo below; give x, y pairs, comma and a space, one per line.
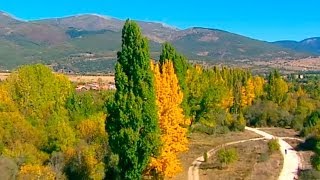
155, 103
211, 100
145, 122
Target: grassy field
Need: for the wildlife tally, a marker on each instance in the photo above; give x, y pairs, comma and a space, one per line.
200, 143
254, 162
76, 78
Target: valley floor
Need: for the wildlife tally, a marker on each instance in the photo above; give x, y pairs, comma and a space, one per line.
252, 163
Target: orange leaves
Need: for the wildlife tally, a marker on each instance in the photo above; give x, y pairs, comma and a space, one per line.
171, 121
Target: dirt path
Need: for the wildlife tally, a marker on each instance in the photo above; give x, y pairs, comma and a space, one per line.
193, 172
290, 165
291, 159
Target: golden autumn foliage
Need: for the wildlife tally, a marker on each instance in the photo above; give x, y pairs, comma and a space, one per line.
6, 103
247, 93
28, 152
39, 93
86, 158
258, 85
36, 172
227, 101
37, 128
92, 128
171, 120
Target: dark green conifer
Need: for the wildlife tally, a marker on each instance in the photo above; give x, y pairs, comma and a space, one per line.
132, 121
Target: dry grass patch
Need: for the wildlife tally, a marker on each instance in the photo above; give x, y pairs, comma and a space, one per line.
200, 143
4, 76
254, 163
77, 78
85, 79
281, 132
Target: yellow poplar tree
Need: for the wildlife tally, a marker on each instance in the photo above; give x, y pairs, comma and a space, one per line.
227, 101
171, 120
258, 85
248, 93
243, 96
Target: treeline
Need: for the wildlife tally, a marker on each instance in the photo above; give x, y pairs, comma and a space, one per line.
49, 131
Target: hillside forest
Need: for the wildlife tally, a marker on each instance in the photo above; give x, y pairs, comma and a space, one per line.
50, 131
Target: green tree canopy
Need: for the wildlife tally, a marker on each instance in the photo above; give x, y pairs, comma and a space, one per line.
180, 64
132, 122
39, 93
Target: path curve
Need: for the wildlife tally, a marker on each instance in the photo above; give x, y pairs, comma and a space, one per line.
193, 172
291, 159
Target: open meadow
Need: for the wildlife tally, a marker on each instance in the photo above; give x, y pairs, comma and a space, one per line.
78, 78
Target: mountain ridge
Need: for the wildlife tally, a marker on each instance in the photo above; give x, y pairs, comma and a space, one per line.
310, 45
68, 40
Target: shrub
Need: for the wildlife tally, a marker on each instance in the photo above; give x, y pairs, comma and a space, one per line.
315, 161
273, 145
309, 174
227, 156
201, 128
308, 144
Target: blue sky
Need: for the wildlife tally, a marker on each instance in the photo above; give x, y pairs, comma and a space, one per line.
265, 20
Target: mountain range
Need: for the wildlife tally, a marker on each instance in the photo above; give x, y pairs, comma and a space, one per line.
89, 42
310, 45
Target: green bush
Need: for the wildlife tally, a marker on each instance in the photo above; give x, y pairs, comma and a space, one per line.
309, 174
273, 145
227, 156
315, 161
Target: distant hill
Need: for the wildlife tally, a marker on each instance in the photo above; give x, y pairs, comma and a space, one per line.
310, 45
89, 43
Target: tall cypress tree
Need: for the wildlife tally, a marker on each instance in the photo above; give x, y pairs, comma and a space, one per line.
132, 122
180, 67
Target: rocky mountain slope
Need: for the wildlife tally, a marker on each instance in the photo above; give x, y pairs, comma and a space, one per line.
89, 42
